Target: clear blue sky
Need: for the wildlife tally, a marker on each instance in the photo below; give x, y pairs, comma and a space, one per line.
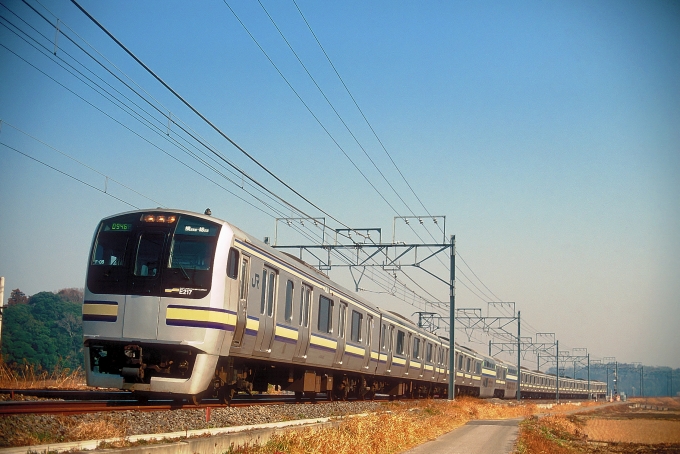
547, 133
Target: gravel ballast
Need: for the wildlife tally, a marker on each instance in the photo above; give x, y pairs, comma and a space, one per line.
21, 430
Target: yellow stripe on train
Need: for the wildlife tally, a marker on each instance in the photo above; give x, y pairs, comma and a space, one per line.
200, 315
323, 342
100, 309
286, 332
398, 361
354, 350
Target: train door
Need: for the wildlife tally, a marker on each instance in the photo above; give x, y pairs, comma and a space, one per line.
303, 336
140, 318
265, 333
369, 340
242, 305
342, 322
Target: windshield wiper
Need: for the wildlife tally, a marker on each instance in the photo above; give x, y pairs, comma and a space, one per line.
184, 273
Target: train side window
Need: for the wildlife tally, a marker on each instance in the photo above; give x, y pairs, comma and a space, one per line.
369, 333
428, 352
325, 321
268, 288
263, 300
232, 263
468, 364
355, 334
446, 356
243, 287
342, 319
383, 337
289, 301
391, 339
416, 347
305, 300
400, 342
460, 361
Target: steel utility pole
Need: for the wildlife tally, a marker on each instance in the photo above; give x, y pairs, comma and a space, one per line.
557, 372
519, 358
452, 322
609, 360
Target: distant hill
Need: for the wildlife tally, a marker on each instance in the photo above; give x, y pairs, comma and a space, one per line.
44, 330
656, 381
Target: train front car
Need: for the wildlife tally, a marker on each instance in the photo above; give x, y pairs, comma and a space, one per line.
155, 286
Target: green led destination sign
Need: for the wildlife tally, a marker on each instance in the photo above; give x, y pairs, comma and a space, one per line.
121, 227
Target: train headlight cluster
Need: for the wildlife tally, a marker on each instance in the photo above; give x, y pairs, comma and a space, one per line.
159, 218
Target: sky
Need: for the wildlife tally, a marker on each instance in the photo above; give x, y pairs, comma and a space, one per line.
546, 133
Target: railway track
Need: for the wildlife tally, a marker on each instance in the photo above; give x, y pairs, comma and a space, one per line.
79, 402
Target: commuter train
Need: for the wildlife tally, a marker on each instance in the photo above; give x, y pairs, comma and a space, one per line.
184, 305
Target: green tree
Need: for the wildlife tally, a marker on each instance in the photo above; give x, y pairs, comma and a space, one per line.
45, 332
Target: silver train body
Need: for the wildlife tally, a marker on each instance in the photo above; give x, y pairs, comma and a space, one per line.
186, 305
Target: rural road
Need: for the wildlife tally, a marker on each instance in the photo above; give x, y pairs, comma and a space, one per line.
476, 437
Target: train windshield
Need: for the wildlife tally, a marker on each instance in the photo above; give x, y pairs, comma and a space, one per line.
161, 255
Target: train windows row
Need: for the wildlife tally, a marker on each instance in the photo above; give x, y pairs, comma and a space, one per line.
398, 341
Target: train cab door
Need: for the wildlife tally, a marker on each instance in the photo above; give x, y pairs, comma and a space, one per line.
142, 303
265, 332
369, 341
342, 327
303, 320
242, 305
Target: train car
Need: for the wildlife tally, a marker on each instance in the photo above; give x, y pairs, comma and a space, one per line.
187, 305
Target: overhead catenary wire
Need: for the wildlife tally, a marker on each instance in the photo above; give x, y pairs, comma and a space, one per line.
186, 103
68, 175
319, 121
473, 274
111, 117
200, 115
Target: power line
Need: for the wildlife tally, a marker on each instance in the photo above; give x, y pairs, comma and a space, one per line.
200, 115
68, 175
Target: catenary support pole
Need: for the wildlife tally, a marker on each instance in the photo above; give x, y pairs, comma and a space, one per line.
590, 396
557, 375
452, 322
519, 357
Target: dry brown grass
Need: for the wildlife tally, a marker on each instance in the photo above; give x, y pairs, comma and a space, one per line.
553, 434
26, 377
398, 427
60, 429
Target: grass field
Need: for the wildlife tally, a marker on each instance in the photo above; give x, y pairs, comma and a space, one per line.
626, 428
